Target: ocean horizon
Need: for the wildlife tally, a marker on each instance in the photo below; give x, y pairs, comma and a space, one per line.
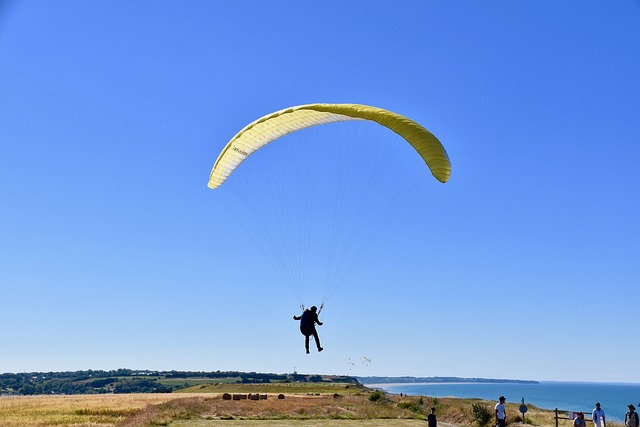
561, 395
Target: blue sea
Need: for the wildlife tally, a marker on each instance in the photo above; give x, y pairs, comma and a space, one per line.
566, 396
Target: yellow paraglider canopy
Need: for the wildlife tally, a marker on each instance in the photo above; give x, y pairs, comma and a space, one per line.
273, 126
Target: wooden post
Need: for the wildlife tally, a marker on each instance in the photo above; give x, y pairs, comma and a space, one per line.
556, 417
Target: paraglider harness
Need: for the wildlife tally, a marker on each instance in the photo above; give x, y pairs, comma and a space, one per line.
308, 326
319, 310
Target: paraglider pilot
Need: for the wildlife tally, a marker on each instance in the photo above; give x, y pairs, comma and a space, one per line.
308, 322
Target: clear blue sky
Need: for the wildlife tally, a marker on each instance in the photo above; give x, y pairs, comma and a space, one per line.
114, 253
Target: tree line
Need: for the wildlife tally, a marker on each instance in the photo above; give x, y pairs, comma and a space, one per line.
135, 381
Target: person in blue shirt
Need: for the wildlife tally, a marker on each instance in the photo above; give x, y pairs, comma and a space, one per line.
597, 415
308, 321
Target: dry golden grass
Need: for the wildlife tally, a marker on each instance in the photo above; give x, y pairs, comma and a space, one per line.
138, 410
104, 410
210, 410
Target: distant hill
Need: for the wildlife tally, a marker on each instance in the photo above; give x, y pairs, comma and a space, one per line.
406, 380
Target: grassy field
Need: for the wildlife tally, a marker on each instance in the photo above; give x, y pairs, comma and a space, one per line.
197, 381
311, 405
77, 410
295, 388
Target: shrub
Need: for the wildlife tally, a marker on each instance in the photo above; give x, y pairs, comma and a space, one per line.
376, 395
409, 405
481, 414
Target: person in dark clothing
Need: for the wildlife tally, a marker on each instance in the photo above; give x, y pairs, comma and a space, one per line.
308, 321
631, 418
431, 418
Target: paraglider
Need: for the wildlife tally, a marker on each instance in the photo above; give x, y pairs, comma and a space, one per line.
284, 231
308, 321
273, 126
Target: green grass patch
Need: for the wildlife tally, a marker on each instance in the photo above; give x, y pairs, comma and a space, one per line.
296, 388
179, 382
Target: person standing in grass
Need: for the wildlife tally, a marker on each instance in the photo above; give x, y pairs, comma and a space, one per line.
501, 413
579, 420
598, 416
431, 418
631, 418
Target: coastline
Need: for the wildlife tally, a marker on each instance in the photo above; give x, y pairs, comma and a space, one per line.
547, 395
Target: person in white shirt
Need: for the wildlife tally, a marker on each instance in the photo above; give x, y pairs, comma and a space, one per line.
598, 417
501, 413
